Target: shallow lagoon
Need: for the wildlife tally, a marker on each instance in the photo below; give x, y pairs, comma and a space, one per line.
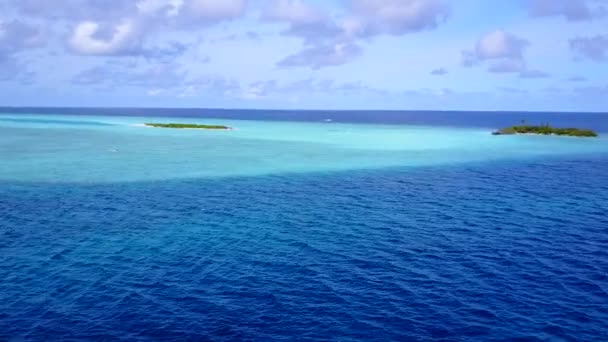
62, 148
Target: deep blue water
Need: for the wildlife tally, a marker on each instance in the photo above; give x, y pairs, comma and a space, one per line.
476, 251
504, 251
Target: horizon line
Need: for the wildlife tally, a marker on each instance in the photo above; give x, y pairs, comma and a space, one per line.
308, 110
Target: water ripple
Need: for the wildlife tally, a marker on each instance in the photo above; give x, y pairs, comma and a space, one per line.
479, 252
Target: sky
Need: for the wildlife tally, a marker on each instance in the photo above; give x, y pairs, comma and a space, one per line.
534, 55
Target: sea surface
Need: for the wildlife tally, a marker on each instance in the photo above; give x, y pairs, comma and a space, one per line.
301, 225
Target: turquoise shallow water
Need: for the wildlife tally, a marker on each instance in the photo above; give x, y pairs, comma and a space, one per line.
107, 149
309, 231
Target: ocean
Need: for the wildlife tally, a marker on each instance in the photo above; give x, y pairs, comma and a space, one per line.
301, 225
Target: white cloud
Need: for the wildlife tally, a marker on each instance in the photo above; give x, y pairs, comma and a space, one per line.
145, 18
533, 74
319, 56
109, 10
397, 17
154, 92
215, 10
17, 35
170, 8
500, 44
439, 72
122, 38
594, 48
276, 89
260, 89
504, 51
294, 12
330, 41
507, 65
72, 10
572, 10
305, 21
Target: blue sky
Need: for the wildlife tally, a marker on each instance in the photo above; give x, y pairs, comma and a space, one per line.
308, 54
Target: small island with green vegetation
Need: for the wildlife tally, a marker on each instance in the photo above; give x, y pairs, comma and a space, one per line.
545, 129
180, 125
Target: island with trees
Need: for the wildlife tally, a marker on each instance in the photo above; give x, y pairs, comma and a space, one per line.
545, 129
184, 125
